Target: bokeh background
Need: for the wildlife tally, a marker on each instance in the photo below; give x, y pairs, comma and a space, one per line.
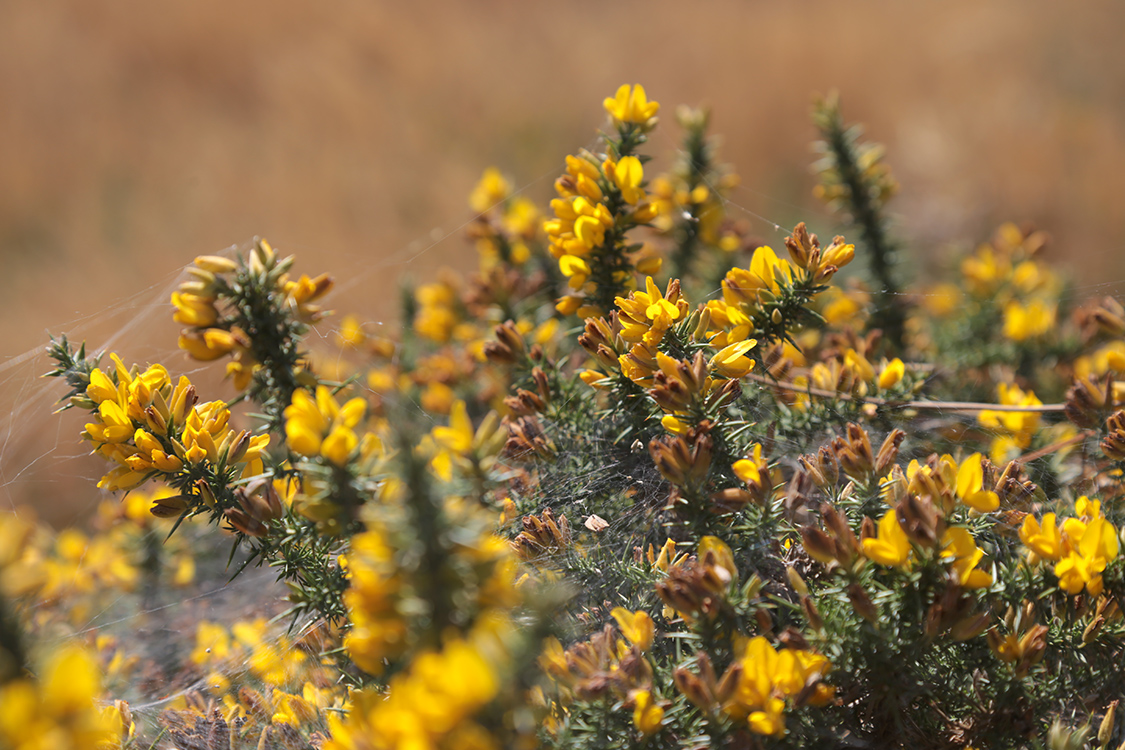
137, 135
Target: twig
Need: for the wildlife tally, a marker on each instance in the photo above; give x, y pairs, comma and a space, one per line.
1029, 457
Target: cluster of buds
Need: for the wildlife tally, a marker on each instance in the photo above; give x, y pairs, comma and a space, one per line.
603, 665
542, 535
855, 457
836, 545
223, 299
925, 494
525, 402
602, 340
823, 468
1113, 444
697, 587
684, 459
755, 687
847, 375
259, 504
1024, 645
1106, 317
821, 265
510, 346
953, 613
1089, 398
526, 440
705, 690
1106, 610
680, 386
920, 519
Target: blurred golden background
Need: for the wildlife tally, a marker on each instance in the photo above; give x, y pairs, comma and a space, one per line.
135, 136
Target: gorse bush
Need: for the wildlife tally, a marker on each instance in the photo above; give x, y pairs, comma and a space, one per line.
580, 502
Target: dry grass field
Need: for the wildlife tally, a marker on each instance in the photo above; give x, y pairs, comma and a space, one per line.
135, 136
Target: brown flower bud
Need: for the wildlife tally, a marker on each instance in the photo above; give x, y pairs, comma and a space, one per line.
920, 520
819, 545
170, 507
829, 467
888, 452
694, 689
862, 603
812, 614
969, 627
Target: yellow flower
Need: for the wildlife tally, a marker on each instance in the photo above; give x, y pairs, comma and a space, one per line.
194, 310
637, 626
491, 190
1022, 322
1045, 541
1082, 567
749, 469
210, 343
892, 373
627, 175
714, 551
767, 678
630, 106
731, 361
322, 426
970, 483
892, 546
960, 545
770, 720
647, 715
575, 269
673, 424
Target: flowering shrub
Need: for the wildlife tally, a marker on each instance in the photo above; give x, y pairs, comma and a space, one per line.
578, 503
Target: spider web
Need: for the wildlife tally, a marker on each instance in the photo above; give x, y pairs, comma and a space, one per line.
46, 470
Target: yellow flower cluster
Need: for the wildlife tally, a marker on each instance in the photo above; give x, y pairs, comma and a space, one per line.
320, 426
460, 445
944, 481
848, 373
600, 198
441, 315
217, 304
1012, 430
506, 226
1007, 265
767, 678
1080, 549
149, 427
431, 572
892, 547
606, 665
382, 598
434, 702
260, 685
378, 629
685, 390
58, 710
